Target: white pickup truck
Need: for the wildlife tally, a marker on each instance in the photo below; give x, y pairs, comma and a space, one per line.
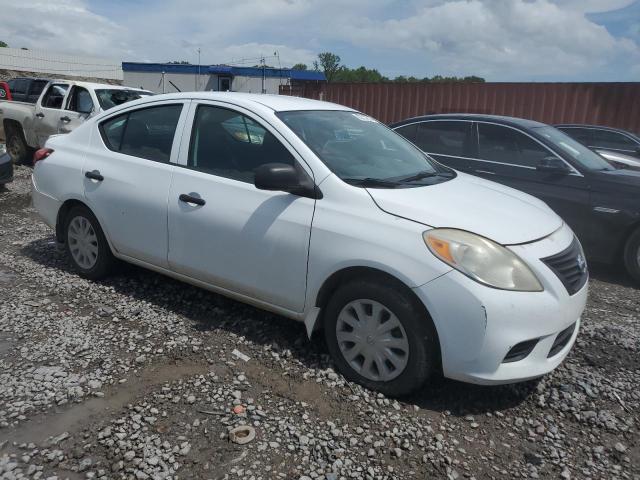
62, 106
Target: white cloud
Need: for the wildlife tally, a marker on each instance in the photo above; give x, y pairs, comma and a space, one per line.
499, 39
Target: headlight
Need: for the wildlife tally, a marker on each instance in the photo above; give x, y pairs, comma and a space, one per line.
481, 259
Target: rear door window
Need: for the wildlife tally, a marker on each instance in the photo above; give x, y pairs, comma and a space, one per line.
443, 137
146, 133
497, 143
55, 96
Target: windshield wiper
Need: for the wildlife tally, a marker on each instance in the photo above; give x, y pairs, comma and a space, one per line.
371, 182
424, 174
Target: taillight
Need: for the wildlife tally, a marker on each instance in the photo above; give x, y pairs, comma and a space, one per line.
41, 154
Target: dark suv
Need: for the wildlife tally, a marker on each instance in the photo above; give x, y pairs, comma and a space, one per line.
604, 138
599, 202
26, 89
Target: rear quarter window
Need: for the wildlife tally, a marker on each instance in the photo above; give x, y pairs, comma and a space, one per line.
145, 133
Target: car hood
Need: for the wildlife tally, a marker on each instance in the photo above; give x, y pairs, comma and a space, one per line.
494, 211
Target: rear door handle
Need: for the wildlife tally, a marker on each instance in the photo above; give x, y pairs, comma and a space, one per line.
189, 199
94, 175
40, 115
65, 119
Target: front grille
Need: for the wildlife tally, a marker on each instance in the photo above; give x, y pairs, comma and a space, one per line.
561, 340
570, 266
520, 351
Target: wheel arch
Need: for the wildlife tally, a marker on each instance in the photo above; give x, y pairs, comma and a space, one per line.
347, 274
64, 210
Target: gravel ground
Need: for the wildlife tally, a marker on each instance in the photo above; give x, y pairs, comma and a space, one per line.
140, 376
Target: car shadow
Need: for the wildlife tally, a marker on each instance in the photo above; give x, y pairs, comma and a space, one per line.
614, 274
211, 312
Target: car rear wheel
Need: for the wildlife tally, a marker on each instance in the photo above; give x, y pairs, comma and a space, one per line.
632, 255
86, 244
381, 337
17, 147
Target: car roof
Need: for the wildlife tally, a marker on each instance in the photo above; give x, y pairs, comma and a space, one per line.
503, 120
101, 86
277, 103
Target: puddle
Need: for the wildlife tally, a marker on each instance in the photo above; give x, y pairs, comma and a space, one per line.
75, 417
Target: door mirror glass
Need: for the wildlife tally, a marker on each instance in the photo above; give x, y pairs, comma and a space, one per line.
552, 165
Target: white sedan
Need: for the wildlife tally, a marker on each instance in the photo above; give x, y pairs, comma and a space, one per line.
324, 215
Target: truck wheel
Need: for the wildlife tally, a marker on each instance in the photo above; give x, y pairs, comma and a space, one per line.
17, 147
380, 337
632, 255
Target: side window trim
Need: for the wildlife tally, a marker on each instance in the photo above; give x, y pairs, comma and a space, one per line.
550, 150
177, 136
183, 159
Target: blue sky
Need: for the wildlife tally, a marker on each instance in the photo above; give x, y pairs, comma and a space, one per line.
501, 40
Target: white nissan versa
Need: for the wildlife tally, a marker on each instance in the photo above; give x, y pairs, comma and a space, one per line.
322, 214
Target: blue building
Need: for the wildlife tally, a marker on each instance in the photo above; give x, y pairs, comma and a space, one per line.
170, 77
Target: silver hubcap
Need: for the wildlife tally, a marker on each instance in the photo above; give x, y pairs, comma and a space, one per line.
372, 340
83, 242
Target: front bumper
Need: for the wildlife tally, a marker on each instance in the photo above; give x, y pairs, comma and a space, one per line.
6, 169
478, 325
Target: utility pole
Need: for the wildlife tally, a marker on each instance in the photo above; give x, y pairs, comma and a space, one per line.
163, 82
264, 90
198, 79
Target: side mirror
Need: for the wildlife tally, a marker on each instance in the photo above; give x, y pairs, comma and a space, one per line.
552, 165
284, 178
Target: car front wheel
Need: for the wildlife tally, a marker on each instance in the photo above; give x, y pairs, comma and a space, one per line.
381, 337
86, 244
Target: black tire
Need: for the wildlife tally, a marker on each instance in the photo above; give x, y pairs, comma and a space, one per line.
421, 335
632, 255
105, 260
17, 146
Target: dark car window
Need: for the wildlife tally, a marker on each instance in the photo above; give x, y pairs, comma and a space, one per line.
410, 132
582, 135
37, 86
506, 145
54, 96
146, 133
19, 87
613, 140
231, 145
442, 137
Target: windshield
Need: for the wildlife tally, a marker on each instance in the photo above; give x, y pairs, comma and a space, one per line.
113, 97
362, 151
581, 154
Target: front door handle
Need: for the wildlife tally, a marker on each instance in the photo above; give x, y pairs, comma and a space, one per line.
94, 175
40, 115
189, 199
65, 119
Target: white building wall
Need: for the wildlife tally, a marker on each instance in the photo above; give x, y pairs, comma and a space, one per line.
43, 61
187, 82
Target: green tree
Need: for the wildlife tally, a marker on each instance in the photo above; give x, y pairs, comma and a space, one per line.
299, 66
3, 44
329, 63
